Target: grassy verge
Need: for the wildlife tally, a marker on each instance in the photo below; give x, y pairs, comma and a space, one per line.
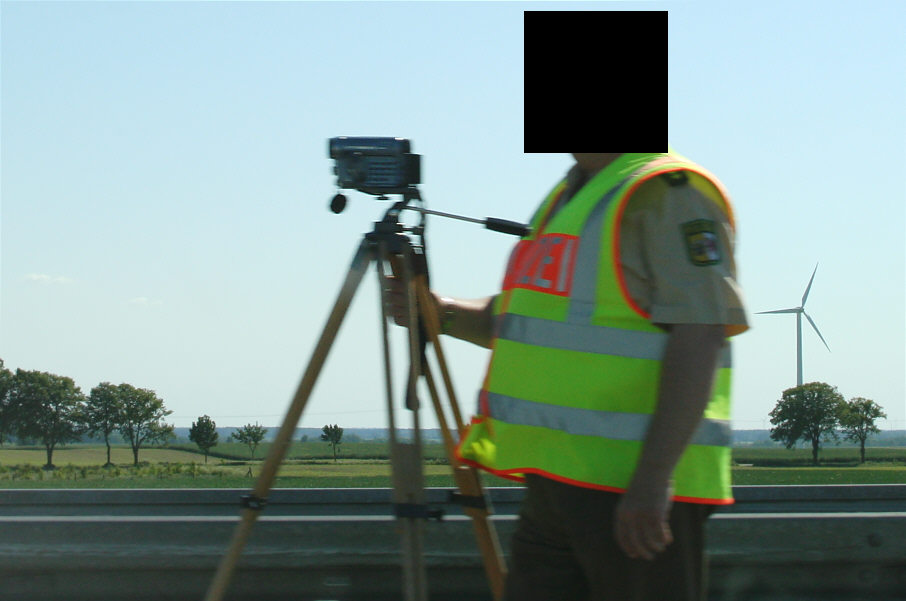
819, 475
350, 474
311, 465
312, 450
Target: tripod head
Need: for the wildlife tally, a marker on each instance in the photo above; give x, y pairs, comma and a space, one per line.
393, 233
339, 201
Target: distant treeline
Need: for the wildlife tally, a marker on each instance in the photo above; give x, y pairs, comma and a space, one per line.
744, 438
313, 434
762, 438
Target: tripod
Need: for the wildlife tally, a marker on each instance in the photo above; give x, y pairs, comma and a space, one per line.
387, 243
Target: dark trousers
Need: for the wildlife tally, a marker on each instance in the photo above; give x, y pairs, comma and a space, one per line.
564, 549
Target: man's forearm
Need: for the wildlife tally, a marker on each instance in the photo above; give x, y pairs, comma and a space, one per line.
470, 320
687, 376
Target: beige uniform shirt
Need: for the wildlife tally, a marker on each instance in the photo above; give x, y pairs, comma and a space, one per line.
676, 250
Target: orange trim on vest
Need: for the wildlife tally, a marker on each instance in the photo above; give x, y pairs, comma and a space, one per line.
513, 475
517, 474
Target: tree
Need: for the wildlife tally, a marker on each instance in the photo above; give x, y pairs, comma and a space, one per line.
251, 435
102, 413
46, 407
333, 435
809, 413
141, 417
6, 385
204, 434
857, 420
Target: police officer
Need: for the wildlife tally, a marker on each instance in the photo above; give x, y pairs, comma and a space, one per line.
607, 390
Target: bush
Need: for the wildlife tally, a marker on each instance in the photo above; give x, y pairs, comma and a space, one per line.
145, 470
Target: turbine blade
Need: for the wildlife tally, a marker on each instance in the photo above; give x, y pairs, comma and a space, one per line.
816, 330
809, 287
796, 310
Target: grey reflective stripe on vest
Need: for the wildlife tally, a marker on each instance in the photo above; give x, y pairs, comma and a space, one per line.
586, 338
582, 337
582, 299
588, 422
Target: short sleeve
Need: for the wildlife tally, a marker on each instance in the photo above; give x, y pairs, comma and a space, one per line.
677, 254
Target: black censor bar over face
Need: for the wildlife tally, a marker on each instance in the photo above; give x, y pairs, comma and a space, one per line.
595, 80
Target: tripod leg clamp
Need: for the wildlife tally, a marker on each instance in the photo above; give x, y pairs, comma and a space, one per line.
416, 510
252, 502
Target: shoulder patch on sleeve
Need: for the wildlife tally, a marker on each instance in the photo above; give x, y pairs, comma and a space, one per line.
702, 243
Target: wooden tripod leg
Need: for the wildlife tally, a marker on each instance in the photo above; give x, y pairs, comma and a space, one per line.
466, 478
409, 490
432, 326
278, 450
406, 458
469, 485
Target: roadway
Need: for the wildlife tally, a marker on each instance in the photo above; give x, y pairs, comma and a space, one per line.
834, 543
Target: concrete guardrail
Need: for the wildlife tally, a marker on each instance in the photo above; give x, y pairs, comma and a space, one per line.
834, 543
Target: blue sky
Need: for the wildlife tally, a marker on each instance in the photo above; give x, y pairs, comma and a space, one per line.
165, 186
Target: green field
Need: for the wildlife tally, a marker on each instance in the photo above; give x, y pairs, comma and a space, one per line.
820, 475
311, 465
836, 456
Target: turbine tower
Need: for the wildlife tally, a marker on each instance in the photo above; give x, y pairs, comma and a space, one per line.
800, 311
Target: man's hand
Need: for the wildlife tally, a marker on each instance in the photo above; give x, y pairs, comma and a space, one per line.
473, 318
641, 526
687, 373
396, 300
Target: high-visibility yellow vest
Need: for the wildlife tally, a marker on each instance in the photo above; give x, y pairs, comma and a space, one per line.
573, 376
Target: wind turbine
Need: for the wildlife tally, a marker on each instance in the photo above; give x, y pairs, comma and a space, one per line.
800, 311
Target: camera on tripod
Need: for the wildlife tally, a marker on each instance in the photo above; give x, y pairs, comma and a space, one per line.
382, 166
375, 165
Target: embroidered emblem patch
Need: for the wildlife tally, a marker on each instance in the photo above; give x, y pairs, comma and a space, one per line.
702, 244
